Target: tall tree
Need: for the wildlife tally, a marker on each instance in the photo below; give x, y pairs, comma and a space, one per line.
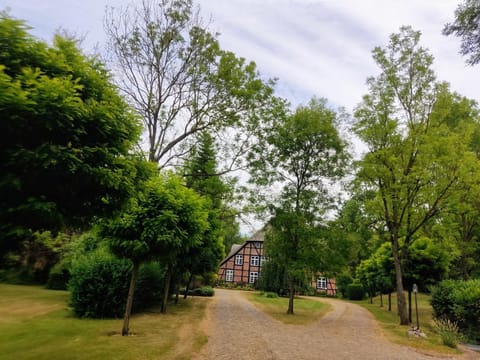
65, 136
414, 161
172, 70
300, 154
167, 219
467, 27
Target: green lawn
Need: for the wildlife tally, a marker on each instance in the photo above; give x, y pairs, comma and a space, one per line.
305, 310
389, 321
36, 323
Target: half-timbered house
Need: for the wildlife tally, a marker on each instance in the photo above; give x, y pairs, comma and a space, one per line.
243, 266
244, 262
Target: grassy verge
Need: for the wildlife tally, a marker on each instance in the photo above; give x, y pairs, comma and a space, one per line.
389, 322
35, 323
306, 310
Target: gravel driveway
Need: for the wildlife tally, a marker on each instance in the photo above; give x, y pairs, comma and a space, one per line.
237, 330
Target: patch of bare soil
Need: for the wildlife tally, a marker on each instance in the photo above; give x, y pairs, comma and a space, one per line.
237, 330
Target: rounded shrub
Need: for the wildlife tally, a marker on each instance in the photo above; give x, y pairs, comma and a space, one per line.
459, 302
355, 291
99, 285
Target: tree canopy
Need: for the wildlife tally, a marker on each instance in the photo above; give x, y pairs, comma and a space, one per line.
467, 27
65, 136
174, 73
300, 154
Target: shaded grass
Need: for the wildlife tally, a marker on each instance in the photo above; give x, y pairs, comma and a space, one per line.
389, 322
306, 311
36, 323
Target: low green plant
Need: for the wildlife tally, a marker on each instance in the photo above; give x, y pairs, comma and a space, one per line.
448, 331
270, 295
355, 291
202, 291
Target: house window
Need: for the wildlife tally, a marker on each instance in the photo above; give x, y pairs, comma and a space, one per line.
322, 283
255, 260
238, 259
229, 275
253, 277
262, 260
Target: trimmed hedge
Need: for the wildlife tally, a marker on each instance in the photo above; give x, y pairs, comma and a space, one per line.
99, 286
459, 302
201, 291
355, 291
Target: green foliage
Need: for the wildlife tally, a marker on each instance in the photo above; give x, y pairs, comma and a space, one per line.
273, 278
466, 27
459, 302
99, 285
182, 83
416, 160
448, 331
65, 136
298, 153
58, 277
202, 291
342, 281
355, 291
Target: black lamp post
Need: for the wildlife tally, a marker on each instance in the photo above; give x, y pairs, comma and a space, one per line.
415, 290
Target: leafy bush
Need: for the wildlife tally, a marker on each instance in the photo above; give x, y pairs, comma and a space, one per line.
99, 285
270, 295
202, 291
459, 302
58, 277
355, 291
343, 281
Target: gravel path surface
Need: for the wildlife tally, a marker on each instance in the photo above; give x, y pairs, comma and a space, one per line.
237, 330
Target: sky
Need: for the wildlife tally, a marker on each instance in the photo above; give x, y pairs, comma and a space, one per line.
316, 48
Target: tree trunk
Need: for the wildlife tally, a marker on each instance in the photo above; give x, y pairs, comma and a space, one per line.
166, 288
401, 303
409, 306
291, 297
389, 301
177, 292
187, 288
381, 299
131, 290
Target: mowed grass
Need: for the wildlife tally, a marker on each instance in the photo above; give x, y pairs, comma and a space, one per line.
36, 323
306, 311
389, 322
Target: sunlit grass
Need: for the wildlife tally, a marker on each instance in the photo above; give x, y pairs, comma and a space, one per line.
389, 322
36, 323
306, 311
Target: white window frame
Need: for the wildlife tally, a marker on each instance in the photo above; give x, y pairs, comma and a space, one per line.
238, 259
255, 260
229, 275
322, 283
253, 277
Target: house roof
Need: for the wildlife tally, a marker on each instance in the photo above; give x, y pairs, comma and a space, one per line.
258, 236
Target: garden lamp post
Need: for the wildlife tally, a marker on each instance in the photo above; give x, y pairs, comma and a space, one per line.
415, 290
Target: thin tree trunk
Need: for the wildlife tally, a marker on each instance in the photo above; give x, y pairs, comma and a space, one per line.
131, 291
187, 288
291, 297
401, 303
166, 288
409, 306
177, 293
381, 299
389, 301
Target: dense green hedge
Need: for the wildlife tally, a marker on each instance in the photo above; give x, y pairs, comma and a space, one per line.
459, 301
99, 286
201, 291
355, 291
